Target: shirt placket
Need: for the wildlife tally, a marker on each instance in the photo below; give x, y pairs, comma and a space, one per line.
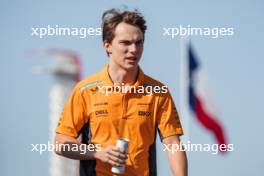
124, 105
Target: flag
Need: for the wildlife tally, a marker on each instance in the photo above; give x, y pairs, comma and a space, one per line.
200, 101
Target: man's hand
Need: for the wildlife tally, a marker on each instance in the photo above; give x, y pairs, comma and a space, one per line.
112, 155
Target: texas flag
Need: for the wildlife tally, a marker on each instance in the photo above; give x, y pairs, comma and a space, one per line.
200, 101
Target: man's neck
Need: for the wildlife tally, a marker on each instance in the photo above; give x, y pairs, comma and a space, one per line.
120, 75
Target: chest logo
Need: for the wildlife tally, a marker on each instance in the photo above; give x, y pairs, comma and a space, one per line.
102, 112
144, 113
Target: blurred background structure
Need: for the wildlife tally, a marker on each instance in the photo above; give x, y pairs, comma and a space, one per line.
66, 71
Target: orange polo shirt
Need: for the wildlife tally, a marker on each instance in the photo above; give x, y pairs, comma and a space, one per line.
134, 115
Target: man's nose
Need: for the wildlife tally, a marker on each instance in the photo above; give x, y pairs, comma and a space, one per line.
133, 48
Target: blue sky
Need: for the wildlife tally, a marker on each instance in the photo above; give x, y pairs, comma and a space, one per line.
233, 65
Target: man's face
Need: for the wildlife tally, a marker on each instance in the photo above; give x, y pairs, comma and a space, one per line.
126, 48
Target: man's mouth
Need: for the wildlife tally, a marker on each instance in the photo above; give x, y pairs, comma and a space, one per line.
131, 58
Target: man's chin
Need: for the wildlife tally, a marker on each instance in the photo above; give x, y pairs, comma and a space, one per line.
131, 66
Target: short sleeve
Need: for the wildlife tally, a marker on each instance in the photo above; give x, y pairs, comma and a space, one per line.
168, 121
73, 116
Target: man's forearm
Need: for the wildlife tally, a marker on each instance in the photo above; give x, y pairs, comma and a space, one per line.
178, 163
177, 158
74, 152
71, 148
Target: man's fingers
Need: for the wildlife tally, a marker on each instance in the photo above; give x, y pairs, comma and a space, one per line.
117, 149
114, 156
117, 154
114, 163
116, 159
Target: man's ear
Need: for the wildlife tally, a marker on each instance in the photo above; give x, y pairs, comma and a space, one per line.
108, 47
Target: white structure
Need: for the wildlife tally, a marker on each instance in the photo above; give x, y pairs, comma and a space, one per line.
66, 72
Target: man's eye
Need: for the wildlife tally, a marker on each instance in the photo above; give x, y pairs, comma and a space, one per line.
139, 42
125, 42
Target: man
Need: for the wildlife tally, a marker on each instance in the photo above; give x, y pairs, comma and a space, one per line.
102, 117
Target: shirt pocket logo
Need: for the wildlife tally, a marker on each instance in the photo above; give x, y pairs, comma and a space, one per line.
144, 113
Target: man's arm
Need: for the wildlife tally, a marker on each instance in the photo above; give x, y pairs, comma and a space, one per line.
110, 154
177, 159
